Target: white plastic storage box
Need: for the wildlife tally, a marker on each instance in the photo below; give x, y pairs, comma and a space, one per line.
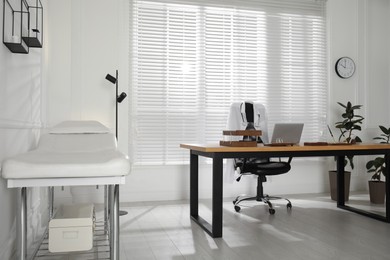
72, 228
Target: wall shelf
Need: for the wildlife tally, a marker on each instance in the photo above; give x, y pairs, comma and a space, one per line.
22, 25
16, 25
35, 38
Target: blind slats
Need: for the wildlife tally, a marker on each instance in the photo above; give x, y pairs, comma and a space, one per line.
192, 58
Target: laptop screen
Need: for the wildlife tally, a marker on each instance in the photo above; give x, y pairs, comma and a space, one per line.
287, 133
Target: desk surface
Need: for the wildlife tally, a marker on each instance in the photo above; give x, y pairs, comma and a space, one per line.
216, 148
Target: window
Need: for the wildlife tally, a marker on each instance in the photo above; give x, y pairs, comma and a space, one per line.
191, 60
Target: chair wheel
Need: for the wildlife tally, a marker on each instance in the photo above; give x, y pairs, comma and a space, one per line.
289, 206
237, 208
271, 211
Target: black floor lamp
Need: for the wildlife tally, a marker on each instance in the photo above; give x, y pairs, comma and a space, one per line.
118, 99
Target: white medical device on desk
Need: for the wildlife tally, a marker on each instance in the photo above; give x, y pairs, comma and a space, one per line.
73, 153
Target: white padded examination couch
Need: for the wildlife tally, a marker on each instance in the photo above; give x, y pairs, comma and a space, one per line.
73, 153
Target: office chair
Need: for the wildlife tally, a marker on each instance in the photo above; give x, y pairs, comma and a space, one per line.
262, 167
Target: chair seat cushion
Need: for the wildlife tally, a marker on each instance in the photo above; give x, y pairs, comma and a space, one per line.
261, 167
272, 168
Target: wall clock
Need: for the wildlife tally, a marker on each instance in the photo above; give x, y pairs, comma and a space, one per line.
345, 67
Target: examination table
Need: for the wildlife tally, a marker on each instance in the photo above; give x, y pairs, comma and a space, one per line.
73, 153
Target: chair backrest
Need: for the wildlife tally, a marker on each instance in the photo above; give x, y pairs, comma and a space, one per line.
248, 114
242, 113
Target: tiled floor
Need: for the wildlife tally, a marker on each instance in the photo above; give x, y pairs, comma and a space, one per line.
313, 229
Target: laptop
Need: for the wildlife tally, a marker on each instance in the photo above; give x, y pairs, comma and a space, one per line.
287, 133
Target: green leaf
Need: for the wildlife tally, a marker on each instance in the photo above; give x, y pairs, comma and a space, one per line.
379, 161
369, 164
360, 120
350, 158
384, 130
356, 107
346, 163
341, 105
348, 125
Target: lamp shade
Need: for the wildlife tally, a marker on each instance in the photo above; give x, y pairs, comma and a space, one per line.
121, 97
111, 79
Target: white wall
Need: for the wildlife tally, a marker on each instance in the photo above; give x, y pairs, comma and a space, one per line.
84, 46
359, 29
21, 104
85, 41
377, 92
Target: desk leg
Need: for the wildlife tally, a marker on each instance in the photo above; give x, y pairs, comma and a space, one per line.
215, 229
194, 185
340, 192
340, 181
387, 183
22, 225
114, 221
217, 197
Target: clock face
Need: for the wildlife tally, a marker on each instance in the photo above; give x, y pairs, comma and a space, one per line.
345, 67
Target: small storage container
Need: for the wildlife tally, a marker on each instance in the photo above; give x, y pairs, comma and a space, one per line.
72, 228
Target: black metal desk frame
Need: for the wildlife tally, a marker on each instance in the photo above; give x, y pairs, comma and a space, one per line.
214, 229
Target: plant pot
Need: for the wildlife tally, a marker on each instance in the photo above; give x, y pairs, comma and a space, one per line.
333, 185
377, 191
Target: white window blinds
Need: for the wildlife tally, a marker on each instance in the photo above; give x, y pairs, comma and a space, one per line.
192, 59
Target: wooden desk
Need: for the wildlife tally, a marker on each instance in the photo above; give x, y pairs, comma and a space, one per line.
218, 153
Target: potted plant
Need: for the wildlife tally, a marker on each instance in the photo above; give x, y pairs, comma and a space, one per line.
351, 122
377, 166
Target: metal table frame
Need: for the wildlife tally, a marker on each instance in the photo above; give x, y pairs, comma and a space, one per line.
218, 153
111, 205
